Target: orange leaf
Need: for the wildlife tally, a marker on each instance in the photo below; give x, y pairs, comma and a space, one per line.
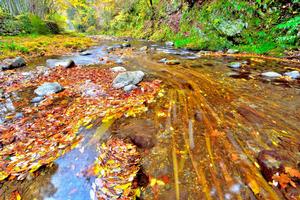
282, 179
292, 172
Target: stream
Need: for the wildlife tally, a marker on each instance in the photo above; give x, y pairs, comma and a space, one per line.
208, 129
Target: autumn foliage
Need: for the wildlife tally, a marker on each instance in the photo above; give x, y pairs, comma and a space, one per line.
51, 128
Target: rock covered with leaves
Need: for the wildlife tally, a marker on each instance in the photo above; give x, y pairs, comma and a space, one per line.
116, 167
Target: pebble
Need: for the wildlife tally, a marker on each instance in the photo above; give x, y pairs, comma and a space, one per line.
292, 74
234, 65
271, 74
37, 99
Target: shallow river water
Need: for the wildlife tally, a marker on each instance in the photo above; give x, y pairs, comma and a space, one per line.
208, 130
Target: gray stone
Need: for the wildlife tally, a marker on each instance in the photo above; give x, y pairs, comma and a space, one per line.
128, 78
128, 88
292, 74
119, 61
114, 47
271, 75
37, 99
169, 44
66, 64
232, 51
125, 45
9, 105
86, 53
118, 69
234, 65
9, 64
48, 88
164, 60
19, 115
144, 48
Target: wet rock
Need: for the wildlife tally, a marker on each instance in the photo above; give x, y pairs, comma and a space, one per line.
119, 61
66, 64
144, 48
48, 88
234, 65
292, 74
118, 69
169, 44
232, 51
37, 99
126, 45
86, 53
172, 62
19, 115
128, 78
128, 88
270, 163
9, 64
164, 60
250, 114
271, 75
114, 47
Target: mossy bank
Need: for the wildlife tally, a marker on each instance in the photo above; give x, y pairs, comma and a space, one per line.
263, 27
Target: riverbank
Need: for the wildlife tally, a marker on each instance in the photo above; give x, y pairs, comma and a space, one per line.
31, 46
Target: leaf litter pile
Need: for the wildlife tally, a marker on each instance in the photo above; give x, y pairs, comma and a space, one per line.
50, 129
116, 167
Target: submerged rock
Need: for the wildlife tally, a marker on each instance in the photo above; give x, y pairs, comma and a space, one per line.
172, 62
118, 69
234, 65
48, 88
270, 163
140, 131
9, 64
128, 78
292, 74
271, 75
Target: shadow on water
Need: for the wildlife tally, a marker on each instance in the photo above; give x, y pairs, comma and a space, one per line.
209, 128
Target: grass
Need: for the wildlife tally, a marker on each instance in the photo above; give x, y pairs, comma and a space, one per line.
30, 46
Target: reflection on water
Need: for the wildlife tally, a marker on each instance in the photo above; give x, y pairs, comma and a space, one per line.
209, 129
